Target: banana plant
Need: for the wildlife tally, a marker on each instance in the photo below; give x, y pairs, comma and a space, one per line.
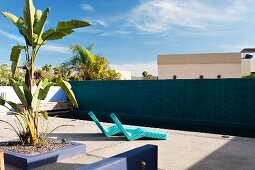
28, 119
31, 27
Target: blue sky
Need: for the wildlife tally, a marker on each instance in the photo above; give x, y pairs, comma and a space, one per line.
130, 33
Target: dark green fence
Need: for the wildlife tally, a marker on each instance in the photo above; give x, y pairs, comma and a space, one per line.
217, 102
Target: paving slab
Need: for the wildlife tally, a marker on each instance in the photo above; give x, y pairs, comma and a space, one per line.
183, 150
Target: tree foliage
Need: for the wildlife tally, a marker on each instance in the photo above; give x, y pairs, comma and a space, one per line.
49, 72
147, 76
88, 66
46, 72
6, 74
251, 76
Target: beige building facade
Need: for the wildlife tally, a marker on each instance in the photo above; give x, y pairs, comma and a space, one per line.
195, 66
247, 67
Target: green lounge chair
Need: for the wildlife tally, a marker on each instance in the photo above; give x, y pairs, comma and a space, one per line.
133, 134
110, 131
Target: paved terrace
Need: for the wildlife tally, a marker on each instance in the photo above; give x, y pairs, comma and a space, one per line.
183, 150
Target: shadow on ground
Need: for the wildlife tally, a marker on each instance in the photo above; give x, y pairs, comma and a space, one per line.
93, 137
204, 127
236, 154
87, 137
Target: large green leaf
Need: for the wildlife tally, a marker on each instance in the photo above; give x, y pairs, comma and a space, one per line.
23, 30
38, 14
28, 94
67, 89
35, 95
3, 102
63, 29
13, 105
15, 57
11, 17
51, 34
18, 22
29, 16
18, 92
41, 22
65, 25
44, 90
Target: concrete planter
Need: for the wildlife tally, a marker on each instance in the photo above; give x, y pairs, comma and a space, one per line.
144, 157
28, 162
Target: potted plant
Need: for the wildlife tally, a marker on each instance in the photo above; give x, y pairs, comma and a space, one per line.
31, 27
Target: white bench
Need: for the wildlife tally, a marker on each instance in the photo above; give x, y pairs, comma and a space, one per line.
52, 107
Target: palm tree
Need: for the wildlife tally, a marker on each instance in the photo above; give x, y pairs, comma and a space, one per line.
147, 76
90, 66
80, 56
63, 72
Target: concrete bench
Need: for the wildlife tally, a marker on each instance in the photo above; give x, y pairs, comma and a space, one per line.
52, 108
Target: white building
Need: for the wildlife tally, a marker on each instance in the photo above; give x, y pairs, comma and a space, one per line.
125, 75
248, 65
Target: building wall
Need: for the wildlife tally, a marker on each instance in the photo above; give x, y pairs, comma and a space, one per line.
193, 71
252, 66
55, 94
246, 67
125, 75
192, 66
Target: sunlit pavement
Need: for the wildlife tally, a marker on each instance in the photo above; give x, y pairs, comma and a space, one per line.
183, 150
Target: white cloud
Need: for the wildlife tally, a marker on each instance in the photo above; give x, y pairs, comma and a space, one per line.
137, 68
96, 22
87, 7
113, 33
91, 30
12, 36
153, 16
56, 49
100, 22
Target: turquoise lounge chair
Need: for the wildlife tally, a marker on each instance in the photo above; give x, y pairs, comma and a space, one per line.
133, 134
110, 131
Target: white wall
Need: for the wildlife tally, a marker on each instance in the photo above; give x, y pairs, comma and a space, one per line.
246, 67
193, 71
252, 66
125, 75
55, 94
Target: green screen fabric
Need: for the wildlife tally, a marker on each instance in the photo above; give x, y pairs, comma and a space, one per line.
208, 101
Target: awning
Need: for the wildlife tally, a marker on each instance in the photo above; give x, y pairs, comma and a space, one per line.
248, 50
